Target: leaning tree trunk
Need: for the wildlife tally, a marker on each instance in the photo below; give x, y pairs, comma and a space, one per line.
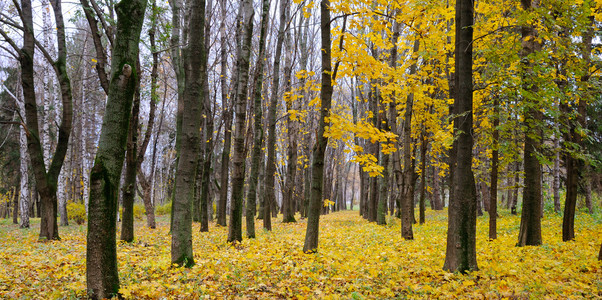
238, 159
317, 172
101, 256
530, 224
461, 254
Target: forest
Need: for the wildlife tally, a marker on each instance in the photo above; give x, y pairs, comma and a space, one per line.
294, 149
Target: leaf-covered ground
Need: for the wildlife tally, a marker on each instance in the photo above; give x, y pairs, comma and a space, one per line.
356, 260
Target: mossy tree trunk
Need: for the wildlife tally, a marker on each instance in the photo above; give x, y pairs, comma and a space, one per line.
101, 257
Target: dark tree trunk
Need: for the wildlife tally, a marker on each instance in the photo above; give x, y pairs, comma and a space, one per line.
257, 128
189, 138
46, 180
227, 116
423, 149
238, 159
101, 257
494, 172
207, 123
313, 217
461, 254
129, 185
574, 165
530, 224
269, 196
407, 198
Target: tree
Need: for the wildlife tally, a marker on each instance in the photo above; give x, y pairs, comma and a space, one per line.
238, 159
257, 123
270, 193
46, 178
461, 254
530, 225
193, 57
101, 257
317, 171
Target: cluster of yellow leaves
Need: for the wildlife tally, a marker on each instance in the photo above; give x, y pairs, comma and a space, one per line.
356, 259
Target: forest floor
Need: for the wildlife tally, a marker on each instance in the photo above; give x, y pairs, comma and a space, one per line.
356, 260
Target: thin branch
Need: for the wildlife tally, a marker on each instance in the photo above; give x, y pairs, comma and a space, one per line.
106, 28
10, 41
10, 23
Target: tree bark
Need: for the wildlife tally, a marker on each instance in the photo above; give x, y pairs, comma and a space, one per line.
494, 171
407, 199
227, 116
257, 125
461, 254
101, 257
193, 57
530, 225
238, 159
313, 217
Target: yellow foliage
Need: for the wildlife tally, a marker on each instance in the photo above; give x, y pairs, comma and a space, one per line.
76, 212
355, 259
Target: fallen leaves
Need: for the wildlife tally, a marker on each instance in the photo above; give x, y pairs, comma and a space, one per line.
355, 259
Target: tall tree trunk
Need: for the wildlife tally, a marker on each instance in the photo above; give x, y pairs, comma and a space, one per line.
227, 116
313, 216
238, 159
530, 225
207, 122
193, 57
128, 189
461, 254
575, 164
407, 199
23, 163
494, 171
257, 128
556, 173
269, 196
46, 179
423, 149
101, 257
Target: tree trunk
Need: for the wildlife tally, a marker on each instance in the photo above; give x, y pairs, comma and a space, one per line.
407, 199
227, 116
556, 173
193, 57
530, 225
23, 163
258, 130
313, 217
207, 123
269, 196
101, 257
494, 172
128, 189
423, 149
238, 159
461, 254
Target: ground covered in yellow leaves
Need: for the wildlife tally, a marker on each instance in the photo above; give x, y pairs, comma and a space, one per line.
356, 260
